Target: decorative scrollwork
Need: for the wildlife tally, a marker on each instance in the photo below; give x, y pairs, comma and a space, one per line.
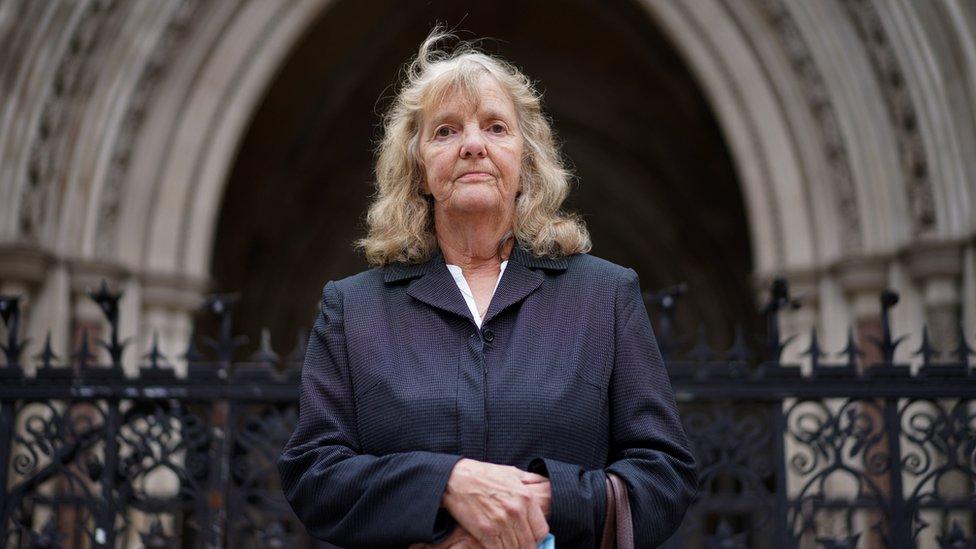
940, 456
838, 454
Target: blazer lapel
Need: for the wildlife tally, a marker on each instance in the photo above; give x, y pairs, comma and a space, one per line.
522, 276
434, 284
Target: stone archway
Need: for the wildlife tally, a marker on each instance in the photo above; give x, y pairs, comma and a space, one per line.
656, 183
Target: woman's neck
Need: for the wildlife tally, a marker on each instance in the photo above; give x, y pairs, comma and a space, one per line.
477, 244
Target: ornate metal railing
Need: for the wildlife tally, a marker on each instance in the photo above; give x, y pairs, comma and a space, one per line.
96, 458
853, 454
850, 455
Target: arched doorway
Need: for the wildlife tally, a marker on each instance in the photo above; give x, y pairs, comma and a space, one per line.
656, 182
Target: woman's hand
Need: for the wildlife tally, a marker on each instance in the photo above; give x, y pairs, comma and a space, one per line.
501, 506
460, 538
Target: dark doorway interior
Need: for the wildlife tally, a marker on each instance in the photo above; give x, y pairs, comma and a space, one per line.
656, 183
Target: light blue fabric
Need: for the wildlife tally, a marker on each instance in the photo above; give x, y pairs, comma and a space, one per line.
548, 542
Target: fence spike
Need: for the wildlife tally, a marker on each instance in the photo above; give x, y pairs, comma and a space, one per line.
10, 313
265, 354
155, 356
739, 351
814, 351
47, 354
192, 353
83, 355
925, 350
108, 302
962, 350
851, 351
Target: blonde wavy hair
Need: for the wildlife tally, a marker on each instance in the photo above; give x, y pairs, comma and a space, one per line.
400, 218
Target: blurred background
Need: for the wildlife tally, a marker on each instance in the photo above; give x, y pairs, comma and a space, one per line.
176, 148
181, 147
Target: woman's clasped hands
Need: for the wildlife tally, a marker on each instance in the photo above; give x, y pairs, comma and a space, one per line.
495, 506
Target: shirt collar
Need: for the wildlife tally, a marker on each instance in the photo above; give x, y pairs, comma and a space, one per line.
395, 272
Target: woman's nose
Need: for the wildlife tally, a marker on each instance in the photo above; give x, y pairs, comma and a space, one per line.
473, 144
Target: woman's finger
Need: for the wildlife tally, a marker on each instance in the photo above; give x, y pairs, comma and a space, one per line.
542, 495
538, 524
532, 478
518, 510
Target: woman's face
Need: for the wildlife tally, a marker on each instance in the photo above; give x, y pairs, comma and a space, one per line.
472, 153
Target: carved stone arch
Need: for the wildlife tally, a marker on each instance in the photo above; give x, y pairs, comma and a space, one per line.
750, 112
794, 219
816, 153
925, 55
39, 75
230, 60
809, 133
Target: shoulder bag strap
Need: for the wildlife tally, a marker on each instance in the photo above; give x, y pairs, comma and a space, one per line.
610, 523
625, 524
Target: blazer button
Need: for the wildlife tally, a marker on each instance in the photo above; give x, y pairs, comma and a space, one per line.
489, 336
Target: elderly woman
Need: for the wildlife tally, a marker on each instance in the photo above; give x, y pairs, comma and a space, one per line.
478, 385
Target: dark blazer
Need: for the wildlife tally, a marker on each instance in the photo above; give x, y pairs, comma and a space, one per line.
564, 378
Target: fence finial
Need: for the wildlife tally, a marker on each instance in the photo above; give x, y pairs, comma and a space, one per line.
779, 299
10, 313
887, 344
222, 305
108, 302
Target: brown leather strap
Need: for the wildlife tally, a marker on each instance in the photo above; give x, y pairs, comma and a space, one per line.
610, 523
618, 523
625, 524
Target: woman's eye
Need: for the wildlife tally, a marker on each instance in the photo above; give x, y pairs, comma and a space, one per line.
443, 131
497, 128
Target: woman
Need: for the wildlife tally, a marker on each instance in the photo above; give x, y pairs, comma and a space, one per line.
476, 387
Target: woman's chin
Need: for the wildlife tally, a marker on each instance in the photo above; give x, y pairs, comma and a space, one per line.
476, 201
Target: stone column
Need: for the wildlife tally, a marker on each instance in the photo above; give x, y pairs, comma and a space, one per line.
25, 271
863, 279
169, 303
936, 267
969, 290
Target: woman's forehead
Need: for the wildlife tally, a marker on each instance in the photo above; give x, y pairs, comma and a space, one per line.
483, 95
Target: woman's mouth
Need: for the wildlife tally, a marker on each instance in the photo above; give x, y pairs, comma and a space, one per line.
475, 176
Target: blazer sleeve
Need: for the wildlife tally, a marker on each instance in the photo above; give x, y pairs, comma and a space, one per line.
648, 449
340, 494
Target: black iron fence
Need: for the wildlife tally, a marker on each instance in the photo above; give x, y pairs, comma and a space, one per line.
853, 454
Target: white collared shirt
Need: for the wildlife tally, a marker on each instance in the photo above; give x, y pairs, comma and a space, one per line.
462, 285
